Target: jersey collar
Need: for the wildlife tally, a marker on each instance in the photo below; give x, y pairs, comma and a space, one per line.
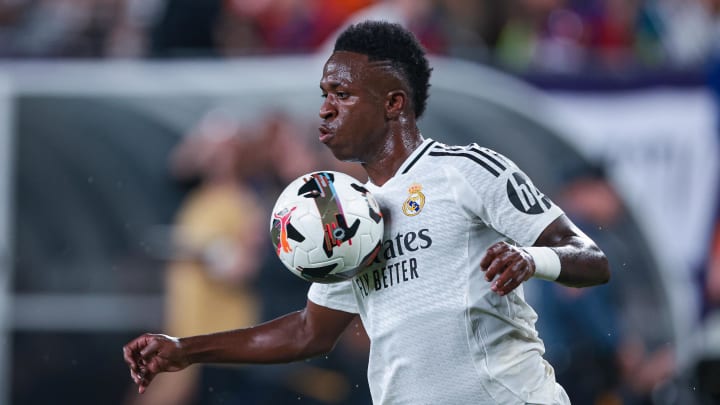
415, 156
411, 160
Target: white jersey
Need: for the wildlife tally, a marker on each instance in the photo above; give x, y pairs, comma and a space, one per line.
438, 334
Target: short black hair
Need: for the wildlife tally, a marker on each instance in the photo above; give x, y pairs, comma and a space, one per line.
385, 41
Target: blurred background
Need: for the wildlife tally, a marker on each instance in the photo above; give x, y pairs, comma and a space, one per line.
143, 143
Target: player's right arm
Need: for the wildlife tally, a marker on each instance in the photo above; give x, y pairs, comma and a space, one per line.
299, 335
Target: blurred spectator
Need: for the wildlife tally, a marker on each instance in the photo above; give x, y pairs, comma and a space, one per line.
626, 35
566, 36
472, 28
713, 279
688, 30
286, 148
600, 354
130, 36
250, 27
541, 34
612, 32
262, 27
551, 36
186, 28
59, 28
215, 254
419, 16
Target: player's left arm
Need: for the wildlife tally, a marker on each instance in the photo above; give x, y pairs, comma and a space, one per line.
565, 255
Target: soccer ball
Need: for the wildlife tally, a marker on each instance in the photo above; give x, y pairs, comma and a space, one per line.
326, 227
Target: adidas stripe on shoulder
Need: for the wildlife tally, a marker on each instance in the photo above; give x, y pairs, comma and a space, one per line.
486, 158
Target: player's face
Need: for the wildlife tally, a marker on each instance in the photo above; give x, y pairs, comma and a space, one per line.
354, 125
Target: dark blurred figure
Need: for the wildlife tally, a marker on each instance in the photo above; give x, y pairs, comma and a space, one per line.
186, 28
265, 27
592, 336
707, 372
713, 275
472, 27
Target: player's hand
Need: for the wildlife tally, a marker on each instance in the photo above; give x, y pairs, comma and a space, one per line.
151, 354
506, 266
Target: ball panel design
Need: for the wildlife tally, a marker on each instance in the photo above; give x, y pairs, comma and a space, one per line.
326, 227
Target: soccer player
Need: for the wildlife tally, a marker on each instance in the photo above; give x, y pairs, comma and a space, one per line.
465, 227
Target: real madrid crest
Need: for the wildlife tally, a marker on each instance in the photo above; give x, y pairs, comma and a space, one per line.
415, 201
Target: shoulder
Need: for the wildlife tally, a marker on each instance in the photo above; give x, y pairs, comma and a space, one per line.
471, 158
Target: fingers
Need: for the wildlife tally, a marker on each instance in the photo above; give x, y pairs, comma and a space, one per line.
141, 380
143, 376
511, 278
490, 254
150, 349
138, 354
506, 266
131, 353
495, 260
139, 377
129, 358
144, 380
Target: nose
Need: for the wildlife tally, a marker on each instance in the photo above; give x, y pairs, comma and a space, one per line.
327, 111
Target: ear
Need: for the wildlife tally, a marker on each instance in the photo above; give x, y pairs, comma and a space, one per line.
395, 103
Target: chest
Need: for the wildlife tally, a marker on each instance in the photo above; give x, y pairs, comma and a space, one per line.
412, 203
424, 243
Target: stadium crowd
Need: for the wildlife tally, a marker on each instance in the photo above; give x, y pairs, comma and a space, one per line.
560, 36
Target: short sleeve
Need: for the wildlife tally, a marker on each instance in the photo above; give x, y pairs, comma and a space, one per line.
504, 197
339, 296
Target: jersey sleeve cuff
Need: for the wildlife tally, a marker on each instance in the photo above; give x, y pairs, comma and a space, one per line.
338, 296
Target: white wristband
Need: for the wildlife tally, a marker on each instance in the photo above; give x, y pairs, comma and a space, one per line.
547, 262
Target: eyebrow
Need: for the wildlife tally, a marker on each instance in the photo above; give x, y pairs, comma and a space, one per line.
330, 84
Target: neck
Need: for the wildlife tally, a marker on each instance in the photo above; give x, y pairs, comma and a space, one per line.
399, 147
